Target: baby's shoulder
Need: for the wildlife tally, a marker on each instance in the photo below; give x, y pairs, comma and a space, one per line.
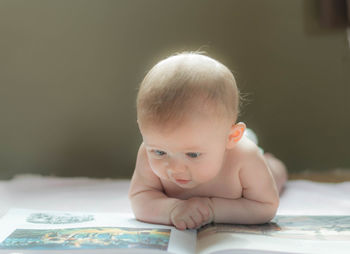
247, 147
142, 164
143, 169
142, 154
246, 150
249, 156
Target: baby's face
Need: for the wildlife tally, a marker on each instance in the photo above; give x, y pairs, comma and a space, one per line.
189, 154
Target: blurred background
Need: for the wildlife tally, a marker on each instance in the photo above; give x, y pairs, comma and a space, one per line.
69, 73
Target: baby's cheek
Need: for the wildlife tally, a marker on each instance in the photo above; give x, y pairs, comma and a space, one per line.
206, 173
159, 168
205, 177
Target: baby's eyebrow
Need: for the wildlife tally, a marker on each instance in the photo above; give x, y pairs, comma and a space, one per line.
192, 148
153, 146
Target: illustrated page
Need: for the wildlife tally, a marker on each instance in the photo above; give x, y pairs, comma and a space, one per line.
54, 230
284, 234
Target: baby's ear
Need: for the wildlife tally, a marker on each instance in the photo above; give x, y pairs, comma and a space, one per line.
235, 135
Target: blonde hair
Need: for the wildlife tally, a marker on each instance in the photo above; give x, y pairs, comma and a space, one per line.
183, 82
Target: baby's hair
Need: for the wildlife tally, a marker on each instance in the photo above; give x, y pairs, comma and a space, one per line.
184, 83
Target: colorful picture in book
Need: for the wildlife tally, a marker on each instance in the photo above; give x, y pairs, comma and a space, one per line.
87, 238
336, 228
314, 227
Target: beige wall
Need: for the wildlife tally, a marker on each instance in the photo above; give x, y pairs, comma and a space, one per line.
69, 71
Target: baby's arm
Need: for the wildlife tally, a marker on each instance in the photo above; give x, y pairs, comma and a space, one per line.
259, 201
148, 200
151, 204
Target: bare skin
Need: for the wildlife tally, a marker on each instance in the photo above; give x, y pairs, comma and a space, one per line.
278, 170
204, 171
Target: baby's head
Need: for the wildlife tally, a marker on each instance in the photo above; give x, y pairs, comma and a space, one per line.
187, 106
186, 84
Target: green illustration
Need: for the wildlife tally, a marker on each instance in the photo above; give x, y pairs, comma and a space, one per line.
87, 238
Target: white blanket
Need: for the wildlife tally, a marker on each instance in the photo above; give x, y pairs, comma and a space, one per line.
110, 195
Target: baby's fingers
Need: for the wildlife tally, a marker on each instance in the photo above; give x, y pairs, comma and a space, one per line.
190, 222
199, 217
181, 225
206, 218
204, 214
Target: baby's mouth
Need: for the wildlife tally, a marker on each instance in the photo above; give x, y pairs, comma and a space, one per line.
182, 181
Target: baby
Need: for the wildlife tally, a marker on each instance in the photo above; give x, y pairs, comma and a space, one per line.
196, 165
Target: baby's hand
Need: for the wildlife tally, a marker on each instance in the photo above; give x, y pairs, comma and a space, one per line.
192, 213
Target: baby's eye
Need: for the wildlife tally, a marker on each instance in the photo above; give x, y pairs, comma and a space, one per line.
193, 155
159, 152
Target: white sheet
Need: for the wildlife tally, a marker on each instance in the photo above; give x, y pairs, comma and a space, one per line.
110, 195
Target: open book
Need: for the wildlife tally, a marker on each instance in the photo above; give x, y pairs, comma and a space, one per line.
37, 231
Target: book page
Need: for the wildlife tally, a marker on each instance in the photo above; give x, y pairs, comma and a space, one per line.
31, 231
285, 234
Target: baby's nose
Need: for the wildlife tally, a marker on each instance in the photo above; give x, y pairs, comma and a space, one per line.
177, 174
177, 170
177, 167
